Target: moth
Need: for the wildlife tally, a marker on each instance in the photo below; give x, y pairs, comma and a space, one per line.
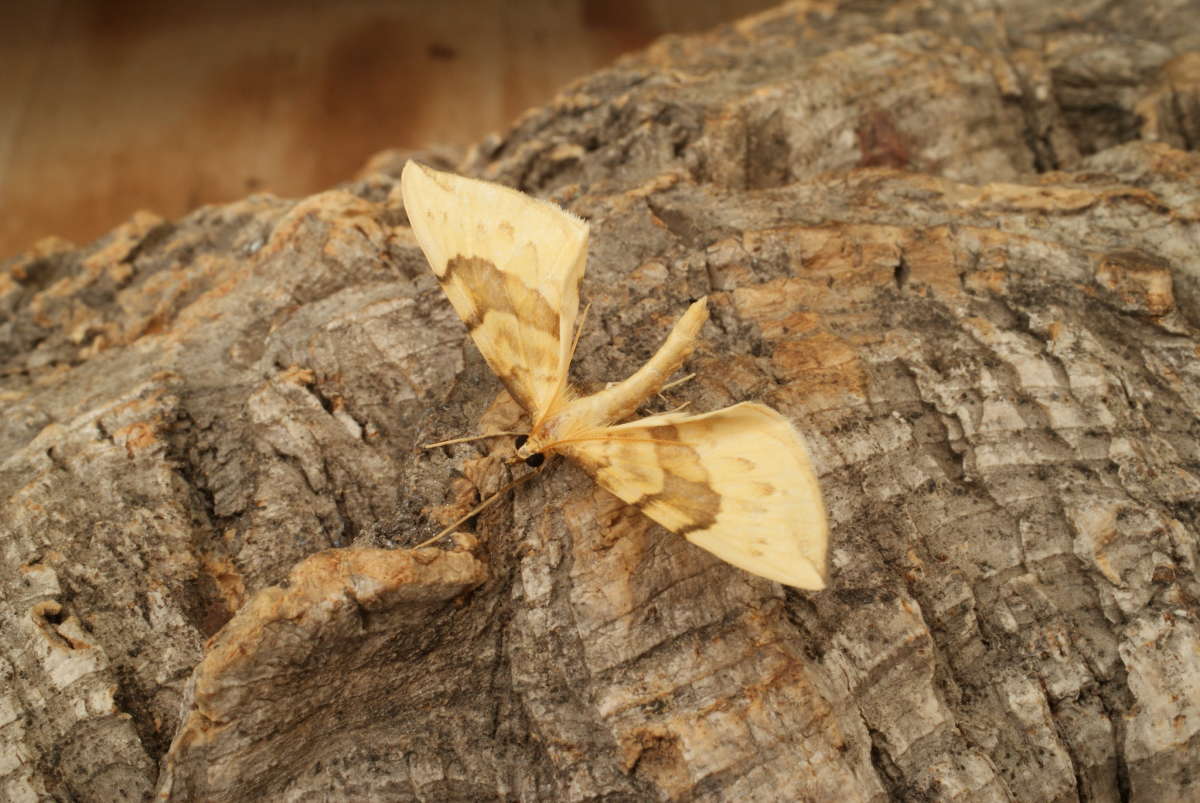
737, 482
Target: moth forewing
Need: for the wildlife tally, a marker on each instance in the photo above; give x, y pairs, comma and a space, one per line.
737, 482
511, 266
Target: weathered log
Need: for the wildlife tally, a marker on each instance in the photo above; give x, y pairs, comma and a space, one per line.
959, 250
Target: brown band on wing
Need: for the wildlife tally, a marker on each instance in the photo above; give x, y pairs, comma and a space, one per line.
515, 319
661, 475
503, 292
685, 482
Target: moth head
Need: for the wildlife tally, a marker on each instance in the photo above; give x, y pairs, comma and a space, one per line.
530, 450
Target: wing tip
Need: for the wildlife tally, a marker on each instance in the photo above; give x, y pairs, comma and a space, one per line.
804, 575
415, 178
809, 579
413, 171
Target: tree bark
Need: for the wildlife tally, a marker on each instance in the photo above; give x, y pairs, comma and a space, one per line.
957, 247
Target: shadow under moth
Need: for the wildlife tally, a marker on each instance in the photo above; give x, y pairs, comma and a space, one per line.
737, 482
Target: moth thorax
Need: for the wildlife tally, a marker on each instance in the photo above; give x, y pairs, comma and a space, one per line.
530, 449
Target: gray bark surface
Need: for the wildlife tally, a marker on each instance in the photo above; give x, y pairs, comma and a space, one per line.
957, 244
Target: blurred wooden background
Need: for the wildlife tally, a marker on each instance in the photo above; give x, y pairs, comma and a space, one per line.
109, 106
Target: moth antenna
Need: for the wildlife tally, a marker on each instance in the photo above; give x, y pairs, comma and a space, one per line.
470, 438
482, 506
578, 331
615, 438
570, 358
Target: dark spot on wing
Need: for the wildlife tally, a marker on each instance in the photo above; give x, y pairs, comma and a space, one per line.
697, 500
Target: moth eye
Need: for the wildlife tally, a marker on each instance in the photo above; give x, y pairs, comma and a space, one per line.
521, 440
535, 460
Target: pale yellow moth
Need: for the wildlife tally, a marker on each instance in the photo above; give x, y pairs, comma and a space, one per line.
737, 482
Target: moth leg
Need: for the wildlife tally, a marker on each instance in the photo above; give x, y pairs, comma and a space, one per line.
482, 506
